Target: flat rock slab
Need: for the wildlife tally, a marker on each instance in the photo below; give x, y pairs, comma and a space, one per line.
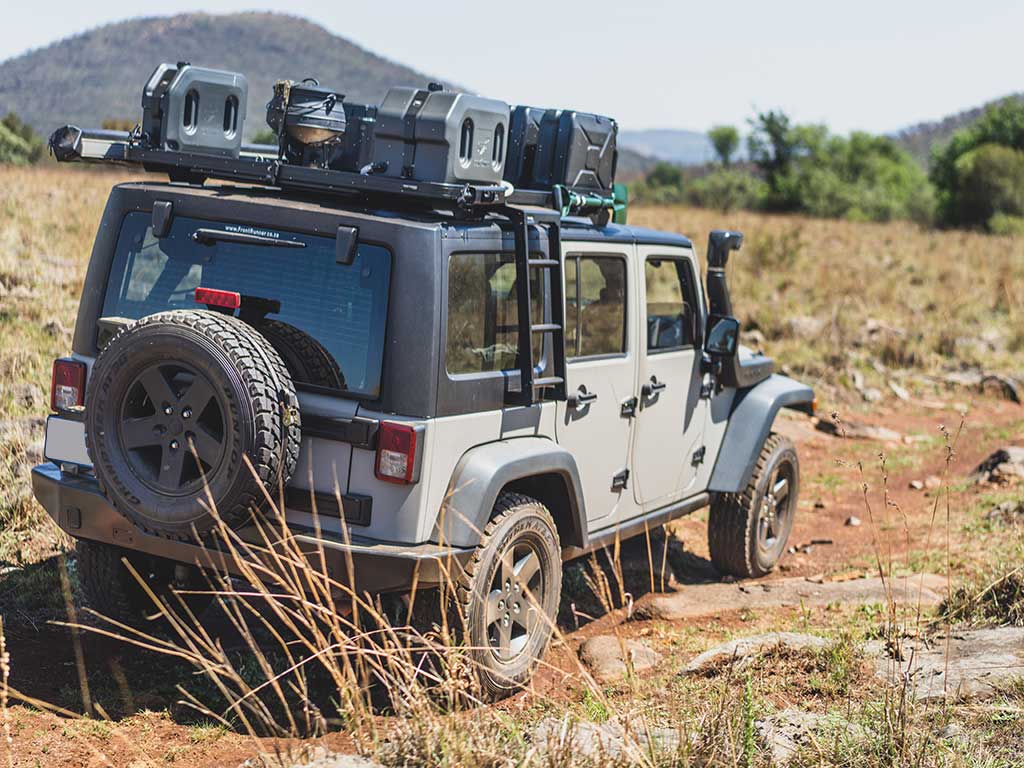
602, 741
785, 732
980, 662
745, 648
711, 599
606, 655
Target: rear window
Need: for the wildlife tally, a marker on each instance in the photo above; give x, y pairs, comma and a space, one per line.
329, 327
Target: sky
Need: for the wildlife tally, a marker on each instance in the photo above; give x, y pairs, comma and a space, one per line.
867, 65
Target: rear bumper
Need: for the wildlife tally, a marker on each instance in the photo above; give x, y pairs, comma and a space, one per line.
77, 505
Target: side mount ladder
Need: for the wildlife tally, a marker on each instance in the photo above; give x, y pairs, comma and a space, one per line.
552, 386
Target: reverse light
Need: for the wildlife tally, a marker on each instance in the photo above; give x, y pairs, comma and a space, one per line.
396, 452
212, 297
67, 386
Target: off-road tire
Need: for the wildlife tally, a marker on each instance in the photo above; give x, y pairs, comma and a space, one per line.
517, 520
734, 517
111, 590
306, 359
255, 399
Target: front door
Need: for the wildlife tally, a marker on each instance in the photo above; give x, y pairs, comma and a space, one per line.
671, 414
601, 375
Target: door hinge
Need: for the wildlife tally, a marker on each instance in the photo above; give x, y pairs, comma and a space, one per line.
698, 456
628, 409
620, 479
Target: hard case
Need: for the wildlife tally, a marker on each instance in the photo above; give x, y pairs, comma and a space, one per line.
194, 109
552, 146
440, 136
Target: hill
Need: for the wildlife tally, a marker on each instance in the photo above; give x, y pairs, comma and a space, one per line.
919, 139
99, 74
676, 146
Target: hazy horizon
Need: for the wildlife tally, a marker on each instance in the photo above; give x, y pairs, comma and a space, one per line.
663, 65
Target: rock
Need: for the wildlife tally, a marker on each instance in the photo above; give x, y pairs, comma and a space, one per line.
853, 521
1008, 512
917, 485
857, 430
608, 740
819, 504
980, 663
805, 327
932, 482
27, 394
317, 757
871, 394
1003, 466
604, 655
753, 338
785, 732
55, 328
951, 731
899, 391
1001, 386
744, 648
691, 600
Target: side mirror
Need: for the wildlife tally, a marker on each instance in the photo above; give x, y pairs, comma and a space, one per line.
723, 336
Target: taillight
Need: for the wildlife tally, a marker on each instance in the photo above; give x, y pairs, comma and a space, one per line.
67, 387
396, 452
213, 297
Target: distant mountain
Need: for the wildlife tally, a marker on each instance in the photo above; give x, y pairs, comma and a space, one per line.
919, 139
98, 75
675, 146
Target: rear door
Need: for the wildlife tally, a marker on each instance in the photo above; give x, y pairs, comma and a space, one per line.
601, 358
671, 414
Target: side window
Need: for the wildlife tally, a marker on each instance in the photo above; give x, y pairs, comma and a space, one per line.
671, 312
595, 306
483, 313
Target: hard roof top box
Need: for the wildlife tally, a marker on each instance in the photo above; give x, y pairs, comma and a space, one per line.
194, 109
551, 147
443, 136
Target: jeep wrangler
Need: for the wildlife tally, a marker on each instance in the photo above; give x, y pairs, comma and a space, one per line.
430, 371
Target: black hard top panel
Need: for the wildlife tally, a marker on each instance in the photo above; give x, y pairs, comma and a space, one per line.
573, 228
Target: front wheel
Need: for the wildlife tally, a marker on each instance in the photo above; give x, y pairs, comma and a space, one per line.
748, 531
509, 594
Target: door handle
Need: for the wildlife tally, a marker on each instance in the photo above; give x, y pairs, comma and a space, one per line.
652, 387
581, 398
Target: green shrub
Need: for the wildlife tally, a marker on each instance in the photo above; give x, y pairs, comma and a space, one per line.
727, 190
1005, 224
966, 172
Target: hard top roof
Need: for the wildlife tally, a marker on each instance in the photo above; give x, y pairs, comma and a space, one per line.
574, 228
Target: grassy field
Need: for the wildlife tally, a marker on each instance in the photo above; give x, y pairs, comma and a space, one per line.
848, 307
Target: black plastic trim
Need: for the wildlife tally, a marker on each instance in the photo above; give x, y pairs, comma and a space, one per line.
358, 431
356, 508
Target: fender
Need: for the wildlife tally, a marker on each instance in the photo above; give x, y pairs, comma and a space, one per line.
750, 422
483, 471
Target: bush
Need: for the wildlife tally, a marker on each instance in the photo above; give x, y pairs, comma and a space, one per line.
727, 190
664, 184
18, 143
971, 186
989, 181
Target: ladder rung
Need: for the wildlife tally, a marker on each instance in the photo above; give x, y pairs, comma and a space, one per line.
545, 327
547, 381
543, 262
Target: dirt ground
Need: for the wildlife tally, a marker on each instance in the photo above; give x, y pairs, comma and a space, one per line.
841, 479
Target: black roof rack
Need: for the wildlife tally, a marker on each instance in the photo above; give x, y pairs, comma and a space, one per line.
260, 164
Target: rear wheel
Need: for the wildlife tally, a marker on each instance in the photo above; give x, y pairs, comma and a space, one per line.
509, 593
112, 590
748, 531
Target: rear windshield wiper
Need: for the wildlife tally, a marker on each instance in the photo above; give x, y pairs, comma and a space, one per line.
210, 236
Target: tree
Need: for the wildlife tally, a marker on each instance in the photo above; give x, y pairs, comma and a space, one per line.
963, 176
726, 140
18, 142
772, 145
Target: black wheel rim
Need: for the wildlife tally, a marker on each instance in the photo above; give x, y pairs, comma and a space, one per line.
776, 510
172, 428
515, 601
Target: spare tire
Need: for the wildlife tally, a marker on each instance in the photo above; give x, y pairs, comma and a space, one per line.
306, 359
174, 405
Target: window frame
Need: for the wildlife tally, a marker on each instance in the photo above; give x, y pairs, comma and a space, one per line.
577, 256
692, 299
